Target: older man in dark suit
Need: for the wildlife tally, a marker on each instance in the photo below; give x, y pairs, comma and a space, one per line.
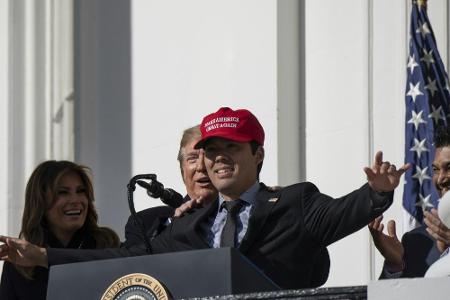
152, 221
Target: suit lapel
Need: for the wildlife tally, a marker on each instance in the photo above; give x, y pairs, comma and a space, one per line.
265, 201
188, 226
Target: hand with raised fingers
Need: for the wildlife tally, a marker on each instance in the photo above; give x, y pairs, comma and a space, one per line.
388, 244
22, 253
188, 205
384, 176
437, 229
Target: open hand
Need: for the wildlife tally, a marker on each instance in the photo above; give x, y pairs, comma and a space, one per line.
437, 229
22, 253
383, 176
388, 245
188, 205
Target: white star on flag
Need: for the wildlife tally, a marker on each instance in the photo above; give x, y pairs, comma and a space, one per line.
424, 202
428, 57
423, 29
436, 113
419, 147
421, 174
412, 63
431, 86
414, 91
416, 119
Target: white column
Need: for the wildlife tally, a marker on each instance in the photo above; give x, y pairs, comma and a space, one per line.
337, 111
291, 91
27, 134
29, 85
390, 50
103, 103
4, 114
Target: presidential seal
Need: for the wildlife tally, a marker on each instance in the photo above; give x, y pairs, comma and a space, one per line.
136, 287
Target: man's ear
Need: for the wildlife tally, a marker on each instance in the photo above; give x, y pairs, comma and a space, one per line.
259, 155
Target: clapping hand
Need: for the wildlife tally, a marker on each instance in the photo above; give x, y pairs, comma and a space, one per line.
388, 244
437, 229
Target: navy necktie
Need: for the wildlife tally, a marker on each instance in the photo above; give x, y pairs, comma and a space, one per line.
228, 237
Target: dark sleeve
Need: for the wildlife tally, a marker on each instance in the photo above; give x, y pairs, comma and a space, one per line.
64, 256
173, 239
386, 274
329, 220
149, 222
6, 284
420, 252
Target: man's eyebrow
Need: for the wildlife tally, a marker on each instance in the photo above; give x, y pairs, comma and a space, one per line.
447, 162
190, 154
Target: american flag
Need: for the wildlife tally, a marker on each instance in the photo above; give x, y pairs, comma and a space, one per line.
427, 106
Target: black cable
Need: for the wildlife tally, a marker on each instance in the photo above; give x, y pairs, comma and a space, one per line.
131, 187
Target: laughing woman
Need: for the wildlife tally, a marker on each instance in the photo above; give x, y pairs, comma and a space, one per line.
59, 212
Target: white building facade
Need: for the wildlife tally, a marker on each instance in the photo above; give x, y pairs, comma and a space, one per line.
112, 84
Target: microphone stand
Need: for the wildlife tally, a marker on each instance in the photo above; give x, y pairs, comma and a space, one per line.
131, 187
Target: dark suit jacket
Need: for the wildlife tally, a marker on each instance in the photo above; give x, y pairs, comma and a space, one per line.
287, 231
150, 221
420, 253
153, 221
286, 237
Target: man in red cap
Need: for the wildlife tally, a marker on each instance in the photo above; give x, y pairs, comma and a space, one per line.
281, 231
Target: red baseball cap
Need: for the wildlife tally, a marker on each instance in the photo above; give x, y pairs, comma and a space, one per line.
237, 125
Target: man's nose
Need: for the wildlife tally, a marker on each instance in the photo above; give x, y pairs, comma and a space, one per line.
200, 164
220, 157
442, 176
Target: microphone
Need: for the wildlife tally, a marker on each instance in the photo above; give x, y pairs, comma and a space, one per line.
156, 189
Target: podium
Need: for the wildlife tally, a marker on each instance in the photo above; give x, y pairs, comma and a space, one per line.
189, 274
